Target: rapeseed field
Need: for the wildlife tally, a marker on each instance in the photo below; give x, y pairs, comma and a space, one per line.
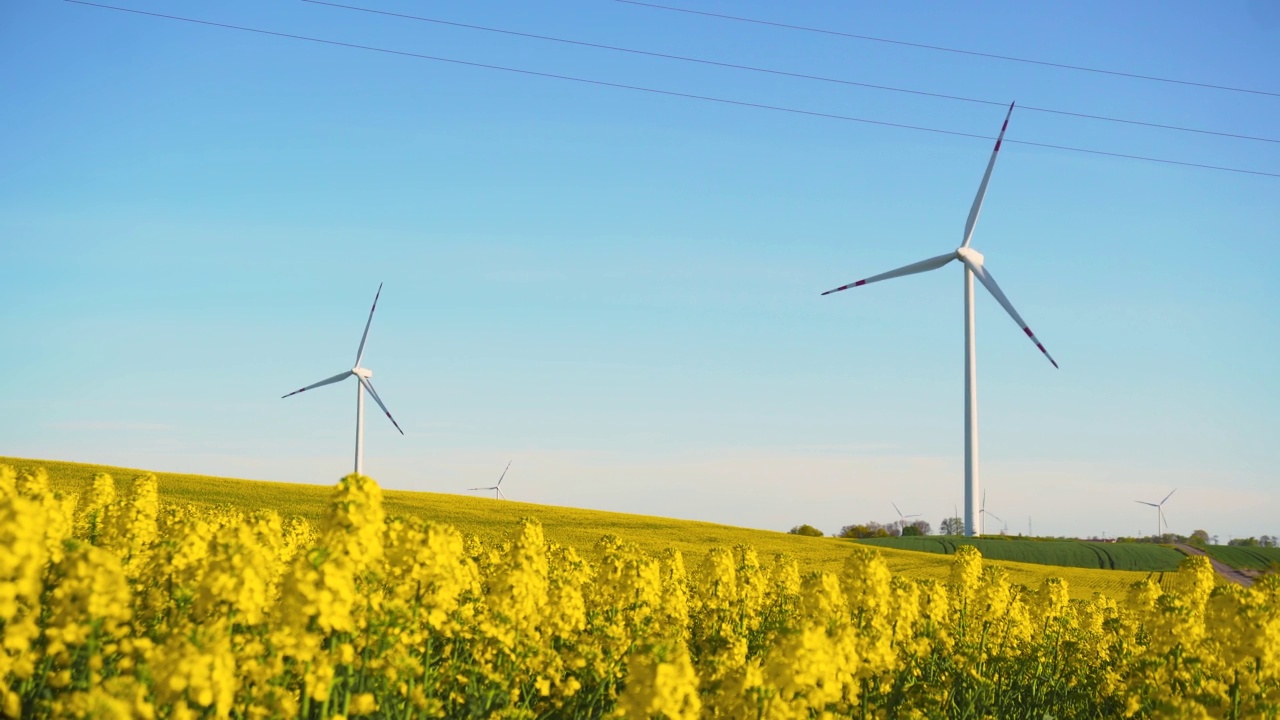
115, 603
491, 521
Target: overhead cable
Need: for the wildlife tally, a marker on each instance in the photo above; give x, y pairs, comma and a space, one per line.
785, 73
670, 93
940, 48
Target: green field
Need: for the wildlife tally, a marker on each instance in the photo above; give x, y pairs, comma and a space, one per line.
1066, 553
1244, 558
582, 529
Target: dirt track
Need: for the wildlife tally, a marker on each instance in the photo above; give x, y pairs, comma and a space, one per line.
1221, 568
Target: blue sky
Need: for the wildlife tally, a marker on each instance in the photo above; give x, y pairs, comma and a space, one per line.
620, 291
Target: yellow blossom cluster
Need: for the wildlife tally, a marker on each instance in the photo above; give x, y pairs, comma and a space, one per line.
115, 605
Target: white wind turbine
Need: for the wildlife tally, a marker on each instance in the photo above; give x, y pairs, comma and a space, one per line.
1160, 523
973, 266
984, 513
363, 375
496, 488
902, 519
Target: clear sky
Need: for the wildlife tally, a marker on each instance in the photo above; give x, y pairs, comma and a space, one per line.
619, 291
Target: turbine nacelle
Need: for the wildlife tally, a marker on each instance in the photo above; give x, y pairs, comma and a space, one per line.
362, 372
969, 256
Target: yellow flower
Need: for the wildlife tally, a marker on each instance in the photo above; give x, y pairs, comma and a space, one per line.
129, 524
660, 682
197, 669
363, 704
91, 598
23, 556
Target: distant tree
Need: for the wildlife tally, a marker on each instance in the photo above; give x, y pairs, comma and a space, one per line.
951, 526
806, 530
864, 530
1244, 542
911, 531
1199, 537
1269, 541
882, 530
922, 527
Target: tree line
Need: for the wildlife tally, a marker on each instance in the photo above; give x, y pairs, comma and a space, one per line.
896, 528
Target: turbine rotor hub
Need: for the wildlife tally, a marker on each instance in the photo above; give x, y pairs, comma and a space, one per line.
968, 254
362, 372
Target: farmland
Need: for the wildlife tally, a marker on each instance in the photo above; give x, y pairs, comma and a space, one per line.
1245, 558
1065, 553
491, 520
123, 604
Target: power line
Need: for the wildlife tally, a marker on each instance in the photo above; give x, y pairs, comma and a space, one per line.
785, 73
670, 93
940, 48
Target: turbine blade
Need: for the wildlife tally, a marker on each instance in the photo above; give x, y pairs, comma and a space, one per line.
504, 497
994, 517
374, 393
1144, 502
980, 271
327, 381
469, 489
895, 509
504, 473
365, 336
1166, 497
972, 222
919, 267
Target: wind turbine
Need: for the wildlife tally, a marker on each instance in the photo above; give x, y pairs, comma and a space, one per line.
984, 514
363, 375
973, 267
497, 489
1159, 511
902, 519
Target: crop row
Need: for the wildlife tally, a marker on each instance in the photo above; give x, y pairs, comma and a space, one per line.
1065, 553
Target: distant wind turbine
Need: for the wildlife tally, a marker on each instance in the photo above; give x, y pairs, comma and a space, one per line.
1160, 521
497, 488
902, 519
984, 513
363, 375
992, 515
973, 266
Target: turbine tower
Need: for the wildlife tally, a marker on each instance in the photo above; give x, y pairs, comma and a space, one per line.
974, 266
496, 488
363, 375
1160, 523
